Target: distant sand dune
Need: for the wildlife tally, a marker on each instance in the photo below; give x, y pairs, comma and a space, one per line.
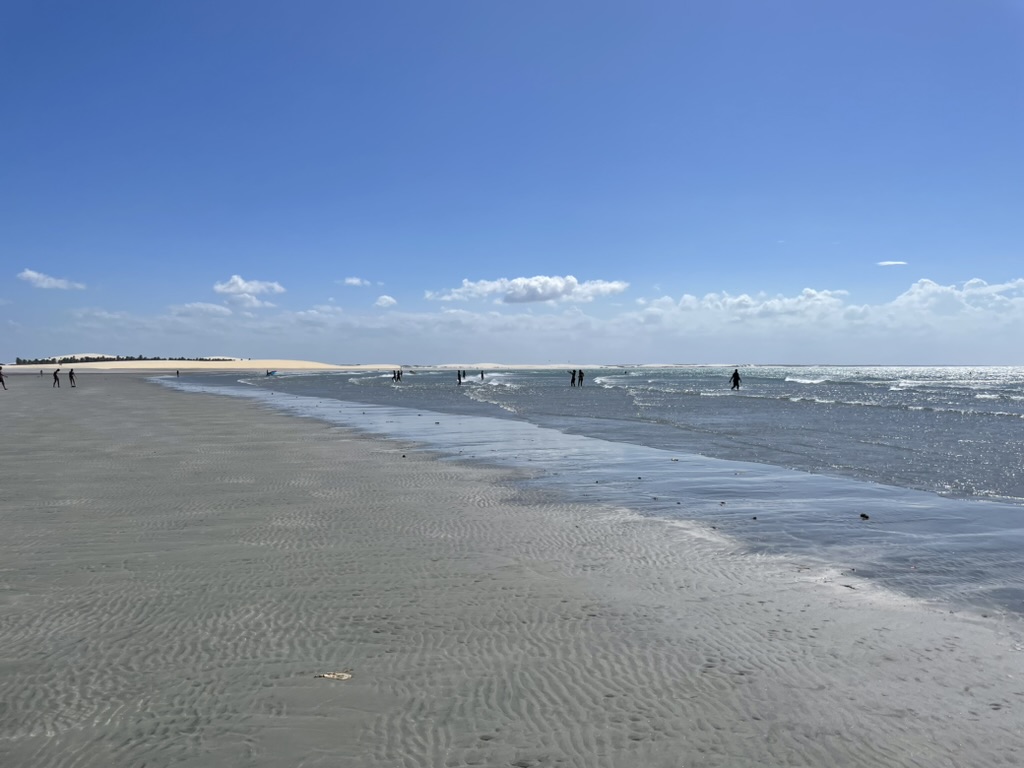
137, 366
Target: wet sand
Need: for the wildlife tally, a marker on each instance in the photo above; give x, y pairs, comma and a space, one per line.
178, 568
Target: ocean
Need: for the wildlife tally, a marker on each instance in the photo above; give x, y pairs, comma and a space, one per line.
911, 478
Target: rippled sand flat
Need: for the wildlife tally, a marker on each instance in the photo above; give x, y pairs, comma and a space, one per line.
176, 570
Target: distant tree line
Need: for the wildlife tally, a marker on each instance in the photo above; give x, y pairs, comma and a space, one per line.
107, 359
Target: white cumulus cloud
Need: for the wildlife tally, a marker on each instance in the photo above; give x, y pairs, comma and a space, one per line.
385, 301
39, 280
926, 310
524, 290
237, 285
244, 292
976, 297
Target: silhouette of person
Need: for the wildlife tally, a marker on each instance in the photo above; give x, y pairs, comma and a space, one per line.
177, 374
735, 379
579, 379
71, 376
481, 375
56, 379
572, 378
2, 382
458, 376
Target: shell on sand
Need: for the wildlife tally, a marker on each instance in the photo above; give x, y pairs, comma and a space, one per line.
336, 675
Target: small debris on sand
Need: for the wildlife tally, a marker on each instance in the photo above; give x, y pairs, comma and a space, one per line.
345, 674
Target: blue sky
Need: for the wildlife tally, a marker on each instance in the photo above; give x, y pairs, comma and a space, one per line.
529, 182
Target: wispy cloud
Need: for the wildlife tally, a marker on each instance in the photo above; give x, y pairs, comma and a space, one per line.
201, 309
524, 290
249, 301
892, 263
39, 280
356, 281
385, 301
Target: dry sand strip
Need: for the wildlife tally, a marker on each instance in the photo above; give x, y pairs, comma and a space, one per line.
246, 365
177, 569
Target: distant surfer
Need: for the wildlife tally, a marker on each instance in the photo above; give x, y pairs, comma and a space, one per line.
735, 379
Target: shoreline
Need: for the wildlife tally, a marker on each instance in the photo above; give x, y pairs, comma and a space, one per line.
180, 566
260, 365
288, 365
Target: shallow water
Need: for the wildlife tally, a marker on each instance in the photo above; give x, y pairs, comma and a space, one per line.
789, 464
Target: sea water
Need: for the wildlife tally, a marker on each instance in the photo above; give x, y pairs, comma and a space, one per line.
908, 477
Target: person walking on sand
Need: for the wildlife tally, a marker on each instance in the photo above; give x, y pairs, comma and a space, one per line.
2, 382
56, 379
735, 379
71, 376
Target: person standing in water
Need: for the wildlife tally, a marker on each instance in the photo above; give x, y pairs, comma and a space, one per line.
56, 379
735, 379
71, 376
579, 378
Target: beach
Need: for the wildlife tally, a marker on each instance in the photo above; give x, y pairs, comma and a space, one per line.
178, 569
165, 366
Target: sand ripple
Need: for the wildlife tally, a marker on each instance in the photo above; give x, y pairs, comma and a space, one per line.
177, 569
